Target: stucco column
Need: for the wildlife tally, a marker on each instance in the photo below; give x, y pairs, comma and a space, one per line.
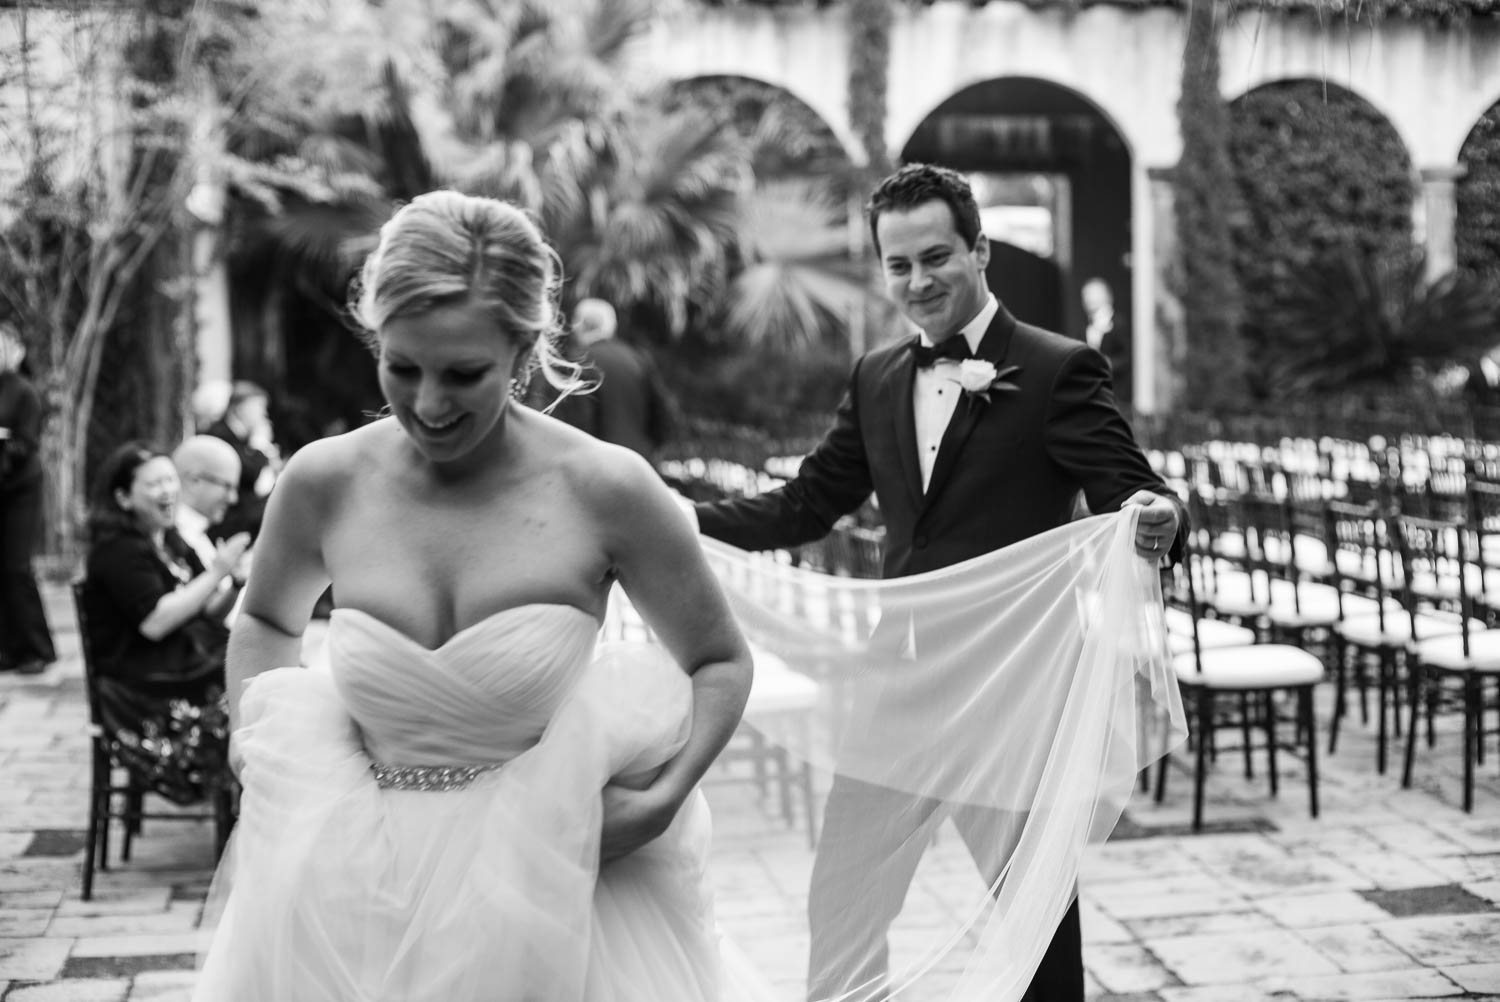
1436, 212
1158, 272
211, 323
205, 202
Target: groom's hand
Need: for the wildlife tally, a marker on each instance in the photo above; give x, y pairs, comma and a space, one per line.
633, 817
1158, 524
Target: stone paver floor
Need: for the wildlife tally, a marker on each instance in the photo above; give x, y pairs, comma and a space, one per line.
1390, 894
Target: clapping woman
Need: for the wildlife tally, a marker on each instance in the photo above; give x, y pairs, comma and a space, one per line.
156, 628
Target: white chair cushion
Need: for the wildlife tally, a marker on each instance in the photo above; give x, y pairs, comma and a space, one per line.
1365, 567
1230, 545
1211, 633
1233, 594
1448, 652
1365, 630
1445, 586
1287, 604
1360, 606
1312, 553
1261, 666
1305, 604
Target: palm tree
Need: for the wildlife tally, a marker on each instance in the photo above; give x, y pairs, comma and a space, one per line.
656, 231
651, 201
1358, 319
519, 100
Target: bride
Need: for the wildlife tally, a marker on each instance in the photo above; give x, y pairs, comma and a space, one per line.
423, 820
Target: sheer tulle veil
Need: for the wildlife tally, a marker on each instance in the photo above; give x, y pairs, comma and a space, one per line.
1022, 692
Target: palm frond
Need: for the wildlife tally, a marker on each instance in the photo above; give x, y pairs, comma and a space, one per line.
319, 239
610, 26
789, 309
397, 142
500, 169
1357, 317
333, 154
795, 220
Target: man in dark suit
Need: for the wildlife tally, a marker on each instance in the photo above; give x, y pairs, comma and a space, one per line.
955, 479
246, 425
630, 406
1107, 332
25, 639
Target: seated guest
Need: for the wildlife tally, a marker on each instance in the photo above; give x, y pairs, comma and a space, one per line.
246, 425
156, 630
209, 471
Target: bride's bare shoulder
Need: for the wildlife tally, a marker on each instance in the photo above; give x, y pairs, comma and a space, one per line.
325, 466
597, 471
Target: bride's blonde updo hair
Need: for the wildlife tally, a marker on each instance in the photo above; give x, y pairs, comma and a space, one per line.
444, 248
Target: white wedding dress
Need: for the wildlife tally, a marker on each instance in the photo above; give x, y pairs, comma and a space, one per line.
1031, 686
335, 889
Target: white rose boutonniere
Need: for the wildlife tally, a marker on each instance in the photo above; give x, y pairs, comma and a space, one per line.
979, 378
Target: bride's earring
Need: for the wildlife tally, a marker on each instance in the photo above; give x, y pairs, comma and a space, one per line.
520, 377
519, 384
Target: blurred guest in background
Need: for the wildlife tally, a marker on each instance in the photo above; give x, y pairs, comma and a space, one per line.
246, 425
209, 471
155, 619
1482, 385
1108, 333
631, 406
25, 640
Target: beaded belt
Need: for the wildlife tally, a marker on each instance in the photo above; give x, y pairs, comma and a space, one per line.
427, 777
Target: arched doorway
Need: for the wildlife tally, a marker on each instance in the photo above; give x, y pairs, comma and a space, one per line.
1324, 177
1052, 175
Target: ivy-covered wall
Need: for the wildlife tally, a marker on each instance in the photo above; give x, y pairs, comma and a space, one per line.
1478, 194
1318, 169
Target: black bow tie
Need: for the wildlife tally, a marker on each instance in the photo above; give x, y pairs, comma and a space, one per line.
954, 346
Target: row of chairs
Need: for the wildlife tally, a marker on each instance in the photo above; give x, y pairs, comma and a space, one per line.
1423, 475
1354, 588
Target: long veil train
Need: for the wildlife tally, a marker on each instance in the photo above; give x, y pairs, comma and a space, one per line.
1027, 688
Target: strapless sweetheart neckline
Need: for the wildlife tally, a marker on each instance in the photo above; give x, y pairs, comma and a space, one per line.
460, 634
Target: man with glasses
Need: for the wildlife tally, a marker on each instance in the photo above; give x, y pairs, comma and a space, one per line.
209, 469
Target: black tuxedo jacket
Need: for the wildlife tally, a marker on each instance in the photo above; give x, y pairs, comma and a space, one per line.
1007, 469
248, 509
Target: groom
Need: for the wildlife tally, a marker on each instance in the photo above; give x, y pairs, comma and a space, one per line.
974, 434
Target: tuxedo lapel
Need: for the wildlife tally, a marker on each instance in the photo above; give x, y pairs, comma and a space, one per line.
970, 410
899, 381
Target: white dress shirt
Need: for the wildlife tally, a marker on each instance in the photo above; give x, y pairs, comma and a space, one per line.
193, 528
1101, 322
935, 391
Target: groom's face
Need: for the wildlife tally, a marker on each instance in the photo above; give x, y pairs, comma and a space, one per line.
936, 279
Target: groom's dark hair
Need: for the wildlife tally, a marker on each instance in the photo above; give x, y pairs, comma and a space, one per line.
915, 184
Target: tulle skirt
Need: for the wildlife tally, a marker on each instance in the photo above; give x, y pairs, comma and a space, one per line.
336, 890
